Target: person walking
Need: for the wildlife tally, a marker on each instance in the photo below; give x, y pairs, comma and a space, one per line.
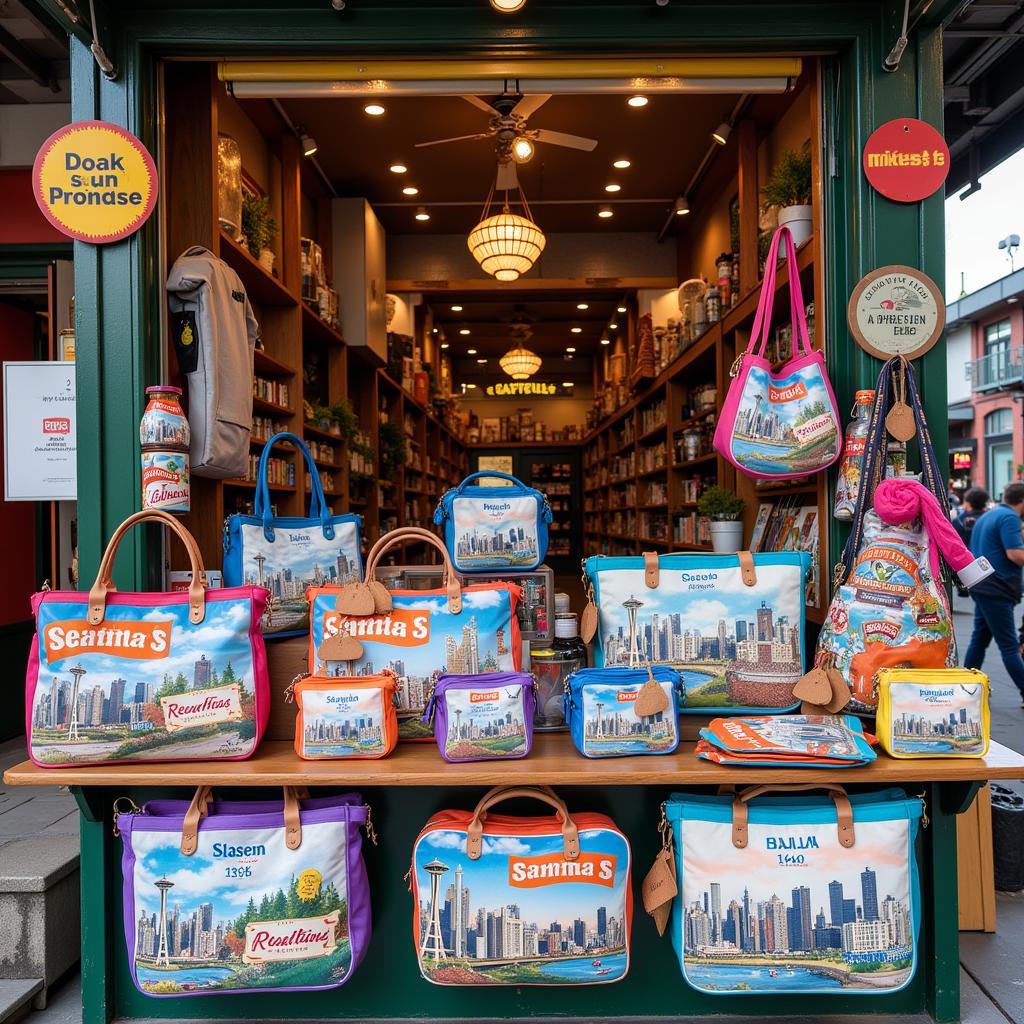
997, 536
975, 502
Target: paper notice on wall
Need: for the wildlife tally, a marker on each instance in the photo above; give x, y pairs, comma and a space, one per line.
40, 432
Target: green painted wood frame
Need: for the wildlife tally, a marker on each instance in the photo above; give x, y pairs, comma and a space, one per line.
119, 329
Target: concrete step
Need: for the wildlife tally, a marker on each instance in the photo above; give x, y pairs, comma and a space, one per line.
16, 998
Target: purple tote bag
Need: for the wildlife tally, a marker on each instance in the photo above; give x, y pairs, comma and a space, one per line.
225, 897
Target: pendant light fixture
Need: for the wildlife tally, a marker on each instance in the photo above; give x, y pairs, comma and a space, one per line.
505, 244
519, 362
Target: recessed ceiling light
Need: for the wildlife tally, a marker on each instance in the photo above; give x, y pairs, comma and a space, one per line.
583, 305
421, 214
604, 341
464, 331
613, 187
374, 109
620, 309
570, 350
471, 386
410, 190
456, 309
444, 344
508, 6
470, 351
398, 168
638, 101
576, 330
605, 212
434, 331
567, 384
481, 361
621, 164
613, 327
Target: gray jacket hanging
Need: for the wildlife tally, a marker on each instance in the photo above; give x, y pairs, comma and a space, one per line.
214, 335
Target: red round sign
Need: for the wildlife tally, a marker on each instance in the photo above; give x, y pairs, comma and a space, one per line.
906, 160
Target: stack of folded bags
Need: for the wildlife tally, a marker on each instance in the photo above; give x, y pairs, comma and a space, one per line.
796, 741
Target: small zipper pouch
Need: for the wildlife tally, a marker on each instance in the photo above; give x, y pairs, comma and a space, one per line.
482, 718
345, 716
933, 712
494, 527
618, 712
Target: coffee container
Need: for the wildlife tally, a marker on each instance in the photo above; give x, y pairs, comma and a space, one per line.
164, 434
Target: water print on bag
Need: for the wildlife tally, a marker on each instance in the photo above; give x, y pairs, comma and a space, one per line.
143, 685
242, 913
612, 726
793, 431
794, 911
495, 532
342, 723
485, 722
936, 719
521, 914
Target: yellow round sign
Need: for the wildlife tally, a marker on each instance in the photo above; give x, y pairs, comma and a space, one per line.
308, 886
94, 181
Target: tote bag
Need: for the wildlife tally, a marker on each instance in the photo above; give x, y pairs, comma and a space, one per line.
794, 894
116, 677
551, 896
784, 423
415, 633
287, 554
225, 897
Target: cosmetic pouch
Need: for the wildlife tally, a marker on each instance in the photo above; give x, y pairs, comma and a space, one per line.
494, 527
287, 554
550, 896
116, 677
225, 897
482, 718
345, 716
731, 625
936, 713
782, 423
469, 630
796, 741
846, 863
605, 712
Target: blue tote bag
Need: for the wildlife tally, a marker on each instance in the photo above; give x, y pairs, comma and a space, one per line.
287, 554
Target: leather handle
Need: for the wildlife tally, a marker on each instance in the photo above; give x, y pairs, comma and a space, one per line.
844, 810
104, 583
389, 540
475, 829
200, 807
748, 573
652, 571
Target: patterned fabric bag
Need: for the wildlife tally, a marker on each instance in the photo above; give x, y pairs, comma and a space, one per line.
226, 897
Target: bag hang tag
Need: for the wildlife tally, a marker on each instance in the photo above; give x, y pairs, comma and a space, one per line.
899, 421
659, 887
652, 698
355, 599
382, 604
588, 620
813, 687
840, 691
340, 647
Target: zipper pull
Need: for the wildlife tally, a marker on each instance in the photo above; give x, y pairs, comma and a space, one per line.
371, 832
132, 808
737, 363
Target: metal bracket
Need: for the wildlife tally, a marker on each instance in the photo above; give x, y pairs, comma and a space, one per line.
105, 64
892, 61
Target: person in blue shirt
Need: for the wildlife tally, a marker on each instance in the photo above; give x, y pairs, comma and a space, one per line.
997, 537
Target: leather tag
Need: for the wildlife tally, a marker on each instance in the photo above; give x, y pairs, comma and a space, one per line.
840, 691
813, 687
900, 421
381, 597
340, 647
588, 623
659, 889
355, 599
650, 700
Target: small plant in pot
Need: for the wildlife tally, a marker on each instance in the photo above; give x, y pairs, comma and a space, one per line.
259, 229
724, 509
789, 188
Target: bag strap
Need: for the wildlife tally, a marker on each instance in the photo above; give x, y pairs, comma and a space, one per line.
104, 583
741, 810
475, 828
317, 501
491, 473
199, 808
389, 540
763, 318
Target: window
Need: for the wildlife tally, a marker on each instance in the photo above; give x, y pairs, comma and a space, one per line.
998, 426
999, 422
997, 337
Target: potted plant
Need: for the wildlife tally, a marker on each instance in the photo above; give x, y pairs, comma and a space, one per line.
346, 419
723, 508
789, 188
259, 229
394, 448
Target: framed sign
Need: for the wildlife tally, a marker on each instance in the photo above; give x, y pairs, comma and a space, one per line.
896, 310
40, 432
906, 160
498, 464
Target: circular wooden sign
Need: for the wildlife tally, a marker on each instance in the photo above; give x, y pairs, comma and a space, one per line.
906, 160
895, 311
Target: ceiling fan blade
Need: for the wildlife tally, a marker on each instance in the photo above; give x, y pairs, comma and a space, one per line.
563, 139
508, 177
456, 138
529, 104
481, 105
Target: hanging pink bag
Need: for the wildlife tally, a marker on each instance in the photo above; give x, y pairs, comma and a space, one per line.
782, 424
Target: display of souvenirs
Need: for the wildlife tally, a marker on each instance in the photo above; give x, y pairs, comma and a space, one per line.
351, 717
848, 482
163, 423
552, 666
165, 479
795, 741
510, 907
274, 391
787, 525
264, 428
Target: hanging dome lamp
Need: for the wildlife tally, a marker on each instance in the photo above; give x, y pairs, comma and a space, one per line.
505, 244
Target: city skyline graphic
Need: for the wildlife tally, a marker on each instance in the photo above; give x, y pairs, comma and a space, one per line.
505, 532
353, 720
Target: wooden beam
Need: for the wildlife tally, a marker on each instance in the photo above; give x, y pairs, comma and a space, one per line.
35, 67
746, 132
547, 284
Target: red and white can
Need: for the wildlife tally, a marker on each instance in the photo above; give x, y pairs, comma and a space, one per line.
165, 480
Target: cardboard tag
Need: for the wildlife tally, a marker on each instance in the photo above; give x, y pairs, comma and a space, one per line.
355, 599
588, 622
340, 647
813, 687
381, 597
651, 699
900, 421
659, 889
840, 691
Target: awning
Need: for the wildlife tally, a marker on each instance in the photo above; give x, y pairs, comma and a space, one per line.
967, 445
960, 413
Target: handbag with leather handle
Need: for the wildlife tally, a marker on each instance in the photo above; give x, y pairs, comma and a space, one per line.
416, 634
550, 896
780, 892
236, 896
117, 677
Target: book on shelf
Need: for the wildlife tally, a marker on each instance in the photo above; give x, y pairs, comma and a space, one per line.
788, 525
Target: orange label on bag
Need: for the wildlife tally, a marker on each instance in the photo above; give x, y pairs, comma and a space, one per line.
122, 639
624, 696
402, 627
478, 696
554, 869
290, 939
790, 393
202, 707
887, 554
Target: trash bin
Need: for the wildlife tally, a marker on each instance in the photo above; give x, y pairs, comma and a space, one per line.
1008, 838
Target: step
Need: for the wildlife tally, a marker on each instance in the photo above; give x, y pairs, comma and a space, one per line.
16, 998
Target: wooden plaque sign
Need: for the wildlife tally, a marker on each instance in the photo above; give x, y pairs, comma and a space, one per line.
896, 310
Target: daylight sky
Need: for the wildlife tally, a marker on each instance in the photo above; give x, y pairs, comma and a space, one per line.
975, 226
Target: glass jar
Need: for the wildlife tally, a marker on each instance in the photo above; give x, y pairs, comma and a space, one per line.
713, 304
229, 186
163, 423
848, 484
692, 440
551, 667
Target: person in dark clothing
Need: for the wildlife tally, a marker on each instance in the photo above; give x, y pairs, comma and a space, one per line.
997, 537
975, 502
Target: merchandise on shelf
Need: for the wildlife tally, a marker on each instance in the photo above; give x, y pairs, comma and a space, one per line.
274, 391
345, 716
165, 479
552, 666
164, 425
265, 427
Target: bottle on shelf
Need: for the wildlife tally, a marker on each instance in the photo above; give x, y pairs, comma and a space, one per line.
552, 666
848, 484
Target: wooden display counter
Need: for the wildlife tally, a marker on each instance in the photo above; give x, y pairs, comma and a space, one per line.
405, 789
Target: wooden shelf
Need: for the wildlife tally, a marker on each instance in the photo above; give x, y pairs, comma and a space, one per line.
251, 485
321, 435
502, 445
700, 460
554, 761
270, 408
268, 366
262, 288
316, 329
658, 471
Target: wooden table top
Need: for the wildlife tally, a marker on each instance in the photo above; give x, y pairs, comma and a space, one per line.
553, 761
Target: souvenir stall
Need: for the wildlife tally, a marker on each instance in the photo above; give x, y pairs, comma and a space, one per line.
545, 592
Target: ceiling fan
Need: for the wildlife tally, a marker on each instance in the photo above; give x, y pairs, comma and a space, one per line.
507, 126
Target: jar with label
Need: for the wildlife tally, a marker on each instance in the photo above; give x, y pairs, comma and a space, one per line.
848, 484
165, 480
724, 268
693, 439
713, 305
551, 667
163, 422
